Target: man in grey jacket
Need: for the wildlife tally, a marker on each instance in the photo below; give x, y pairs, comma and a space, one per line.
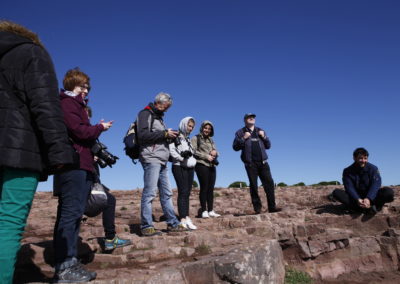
253, 142
154, 137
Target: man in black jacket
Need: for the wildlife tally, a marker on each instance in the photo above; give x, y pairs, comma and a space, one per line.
362, 184
253, 142
33, 137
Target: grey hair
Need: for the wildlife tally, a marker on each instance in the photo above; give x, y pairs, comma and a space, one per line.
163, 98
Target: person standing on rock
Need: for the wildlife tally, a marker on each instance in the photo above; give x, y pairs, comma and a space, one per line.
34, 140
253, 142
362, 185
111, 240
73, 187
206, 155
183, 168
154, 139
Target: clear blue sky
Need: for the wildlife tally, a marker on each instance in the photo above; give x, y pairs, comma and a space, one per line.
322, 75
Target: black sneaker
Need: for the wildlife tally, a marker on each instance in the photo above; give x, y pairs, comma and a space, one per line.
74, 274
276, 209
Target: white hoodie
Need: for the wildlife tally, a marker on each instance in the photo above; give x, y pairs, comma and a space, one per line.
185, 145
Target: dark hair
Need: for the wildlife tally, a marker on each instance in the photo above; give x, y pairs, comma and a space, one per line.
75, 77
360, 151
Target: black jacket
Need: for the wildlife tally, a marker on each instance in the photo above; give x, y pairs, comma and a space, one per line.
33, 135
362, 182
239, 143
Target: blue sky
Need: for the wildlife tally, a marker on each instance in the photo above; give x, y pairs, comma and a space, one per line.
322, 76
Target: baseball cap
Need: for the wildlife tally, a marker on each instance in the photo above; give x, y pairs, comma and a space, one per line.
247, 115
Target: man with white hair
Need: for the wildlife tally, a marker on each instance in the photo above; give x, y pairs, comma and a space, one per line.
154, 138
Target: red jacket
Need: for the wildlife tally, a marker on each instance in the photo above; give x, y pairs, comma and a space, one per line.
81, 132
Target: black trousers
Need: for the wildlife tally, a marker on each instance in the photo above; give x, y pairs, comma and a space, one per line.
73, 188
262, 170
109, 217
385, 195
184, 181
207, 177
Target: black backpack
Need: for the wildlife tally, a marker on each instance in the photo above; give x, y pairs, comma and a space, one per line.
132, 148
131, 142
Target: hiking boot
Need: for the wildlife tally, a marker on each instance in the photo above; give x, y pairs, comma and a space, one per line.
213, 214
74, 274
150, 231
178, 228
114, 243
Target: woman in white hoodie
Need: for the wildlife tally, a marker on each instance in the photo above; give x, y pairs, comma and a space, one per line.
183, 168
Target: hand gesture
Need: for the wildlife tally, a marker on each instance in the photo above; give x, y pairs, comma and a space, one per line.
171, 133
210, 158
261, 133
106, 125
246, 135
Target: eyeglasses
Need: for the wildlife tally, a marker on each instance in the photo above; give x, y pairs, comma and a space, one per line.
85, 87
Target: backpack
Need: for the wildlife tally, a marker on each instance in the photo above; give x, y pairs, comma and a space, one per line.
132, 148
131, 142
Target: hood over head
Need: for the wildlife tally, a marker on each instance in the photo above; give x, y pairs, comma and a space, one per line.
183, 125
12, 35
204, 123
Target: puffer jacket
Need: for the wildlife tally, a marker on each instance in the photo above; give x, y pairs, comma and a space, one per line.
80, 131
33, 135
181, 144
204, 146
151, 133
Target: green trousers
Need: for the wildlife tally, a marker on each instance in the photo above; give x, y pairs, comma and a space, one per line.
16, 194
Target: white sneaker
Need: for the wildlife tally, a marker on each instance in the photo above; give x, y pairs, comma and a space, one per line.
213, 214
189, 224
205, 214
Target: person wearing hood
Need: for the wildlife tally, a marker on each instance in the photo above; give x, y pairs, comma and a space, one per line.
73, 187
206, 155
181, 151
154, 138
34, 140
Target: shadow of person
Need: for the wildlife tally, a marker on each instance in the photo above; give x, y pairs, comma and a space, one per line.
337, 209
135, 229
25, 269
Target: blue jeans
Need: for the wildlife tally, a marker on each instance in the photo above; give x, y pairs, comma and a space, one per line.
156, 176
73, 188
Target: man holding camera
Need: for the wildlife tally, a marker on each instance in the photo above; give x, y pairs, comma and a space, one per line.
154, 139
253, 142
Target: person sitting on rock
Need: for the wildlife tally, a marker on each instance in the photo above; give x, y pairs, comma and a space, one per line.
362, 184
253, 142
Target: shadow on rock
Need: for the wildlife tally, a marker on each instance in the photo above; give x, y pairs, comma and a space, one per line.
337, 210
25, 269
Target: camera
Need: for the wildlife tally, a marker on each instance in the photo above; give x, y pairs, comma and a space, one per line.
105, 158
186, 154
215, 162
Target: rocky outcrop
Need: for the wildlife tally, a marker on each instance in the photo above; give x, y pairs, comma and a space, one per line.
311, 234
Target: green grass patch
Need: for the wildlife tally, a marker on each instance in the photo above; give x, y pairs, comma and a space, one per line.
294, 276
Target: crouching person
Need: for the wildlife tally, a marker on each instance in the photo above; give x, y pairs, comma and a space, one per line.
362, 184
154, 138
